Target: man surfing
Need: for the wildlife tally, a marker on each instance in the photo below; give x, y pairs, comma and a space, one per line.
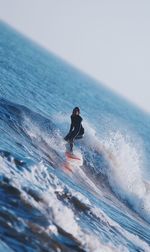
76, 129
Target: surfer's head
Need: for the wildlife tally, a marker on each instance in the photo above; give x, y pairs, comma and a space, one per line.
76, 111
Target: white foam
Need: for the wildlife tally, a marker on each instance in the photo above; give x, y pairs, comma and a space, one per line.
61, 118
109, 223
65, 218
126, 163
125, 172
129, 236
90, 137
95, 245
40, 136
60, 214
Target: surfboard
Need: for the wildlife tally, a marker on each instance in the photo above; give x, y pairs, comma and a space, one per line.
73, 160
67, 167
71, 156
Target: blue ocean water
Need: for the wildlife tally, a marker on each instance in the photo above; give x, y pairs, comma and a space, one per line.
103, 204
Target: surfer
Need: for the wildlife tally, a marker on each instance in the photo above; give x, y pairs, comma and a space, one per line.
76, 129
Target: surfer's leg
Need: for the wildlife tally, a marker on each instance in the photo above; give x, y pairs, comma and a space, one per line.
79, 137
67, 137
71, 146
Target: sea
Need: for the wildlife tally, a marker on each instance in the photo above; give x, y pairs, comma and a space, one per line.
49, 203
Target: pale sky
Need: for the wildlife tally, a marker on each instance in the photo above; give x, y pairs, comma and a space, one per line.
108, 39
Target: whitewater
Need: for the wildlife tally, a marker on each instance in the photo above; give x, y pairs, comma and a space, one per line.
103, 203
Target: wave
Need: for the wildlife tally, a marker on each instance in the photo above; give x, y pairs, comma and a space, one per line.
123, 163
39, 194
51, 209
114, 163
102, 203
107, 162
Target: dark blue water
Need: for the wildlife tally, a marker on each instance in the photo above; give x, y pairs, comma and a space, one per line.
103, 203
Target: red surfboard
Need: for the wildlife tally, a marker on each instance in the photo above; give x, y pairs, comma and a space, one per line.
68, 167
71, 156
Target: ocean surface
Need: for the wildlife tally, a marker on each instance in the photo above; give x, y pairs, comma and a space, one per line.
101, 204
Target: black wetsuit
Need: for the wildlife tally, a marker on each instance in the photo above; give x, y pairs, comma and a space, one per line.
76, 129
